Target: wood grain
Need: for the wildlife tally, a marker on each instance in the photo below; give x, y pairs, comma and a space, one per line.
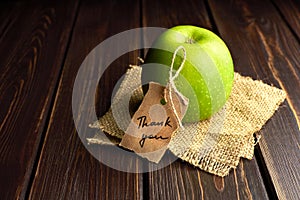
278, 53
7, 16
290, 11
66, 170
281, 154
33, 42
180, 180
264, 48
168, 14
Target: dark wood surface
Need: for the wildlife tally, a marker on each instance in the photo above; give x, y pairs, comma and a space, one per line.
34, 41
42, 47
276, 61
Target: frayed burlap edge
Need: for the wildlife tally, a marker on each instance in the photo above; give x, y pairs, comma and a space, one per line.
213, 145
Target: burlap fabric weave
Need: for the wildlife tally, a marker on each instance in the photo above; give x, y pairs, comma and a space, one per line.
215, 145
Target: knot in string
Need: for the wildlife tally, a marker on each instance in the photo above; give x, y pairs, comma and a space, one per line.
171, 84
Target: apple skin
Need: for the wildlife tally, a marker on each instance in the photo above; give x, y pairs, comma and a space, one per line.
207, 75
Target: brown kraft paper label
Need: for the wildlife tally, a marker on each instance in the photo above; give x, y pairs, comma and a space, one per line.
152, 125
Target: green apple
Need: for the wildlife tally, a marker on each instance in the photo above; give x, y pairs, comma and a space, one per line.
207, 75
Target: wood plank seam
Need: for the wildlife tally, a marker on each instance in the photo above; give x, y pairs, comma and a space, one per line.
266, 177
178, 185
52, 103
268, 184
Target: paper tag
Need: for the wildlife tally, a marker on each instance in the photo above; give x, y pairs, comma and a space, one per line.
152, 125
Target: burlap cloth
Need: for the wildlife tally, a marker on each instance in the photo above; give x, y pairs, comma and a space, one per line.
213, 145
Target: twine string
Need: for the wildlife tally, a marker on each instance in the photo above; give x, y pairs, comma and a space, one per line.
171, 84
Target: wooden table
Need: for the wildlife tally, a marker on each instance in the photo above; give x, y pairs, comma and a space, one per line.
43, 45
